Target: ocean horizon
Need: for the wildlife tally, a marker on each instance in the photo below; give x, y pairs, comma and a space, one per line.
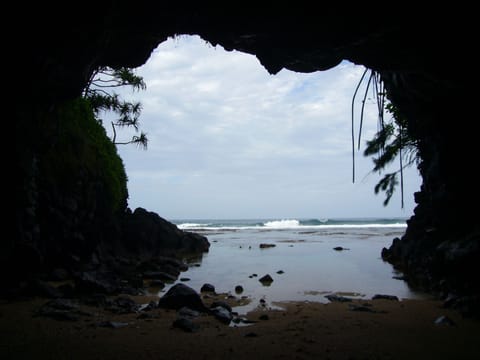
290, 223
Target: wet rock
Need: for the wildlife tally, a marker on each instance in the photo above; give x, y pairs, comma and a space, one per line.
222, 314
266, 280
150, 306
163, 264
264, 317
386, 254
444, 320
97, 282
450, 301
280, 272
181, 295
468, 306
184, 279
340, 248
159, 275
188, 313
122, 305
221, 304
337, 298
267, 246
239, 289
146, 233
242, 321
207, 288
384, 297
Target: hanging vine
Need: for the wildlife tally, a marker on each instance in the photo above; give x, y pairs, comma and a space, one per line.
389, 142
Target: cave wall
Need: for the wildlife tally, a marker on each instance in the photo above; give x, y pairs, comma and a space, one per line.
418, 54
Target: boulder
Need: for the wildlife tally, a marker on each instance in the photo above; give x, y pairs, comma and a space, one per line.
207, 288
145, 233
266, 280
181, 295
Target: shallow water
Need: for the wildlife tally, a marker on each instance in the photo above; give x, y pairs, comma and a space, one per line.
311, 267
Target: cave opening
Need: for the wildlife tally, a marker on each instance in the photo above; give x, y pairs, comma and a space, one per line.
229, 140
74, 239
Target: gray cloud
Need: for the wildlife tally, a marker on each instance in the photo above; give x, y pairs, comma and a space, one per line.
229, 140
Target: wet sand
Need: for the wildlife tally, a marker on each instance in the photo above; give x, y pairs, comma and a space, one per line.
296, 330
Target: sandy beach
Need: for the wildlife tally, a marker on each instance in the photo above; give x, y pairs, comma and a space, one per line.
382, 329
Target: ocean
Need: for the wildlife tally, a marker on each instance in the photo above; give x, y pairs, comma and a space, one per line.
299, 256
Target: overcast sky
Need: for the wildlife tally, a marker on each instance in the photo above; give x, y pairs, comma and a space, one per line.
229, 140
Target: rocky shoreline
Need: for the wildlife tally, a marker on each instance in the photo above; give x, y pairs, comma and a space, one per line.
147, 249
442, 263
111, 309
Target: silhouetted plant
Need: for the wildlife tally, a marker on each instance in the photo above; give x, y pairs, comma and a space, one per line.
101, 99
389, 142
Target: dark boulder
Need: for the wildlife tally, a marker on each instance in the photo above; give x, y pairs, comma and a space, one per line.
105, 282
122, 305
220, 303
181, 295
185, 312
159, 275
266, 280
337, 298
222, 314
384, 297
145, 233
266, 246
207, 288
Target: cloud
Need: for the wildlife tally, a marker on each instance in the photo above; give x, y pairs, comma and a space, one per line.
227, 139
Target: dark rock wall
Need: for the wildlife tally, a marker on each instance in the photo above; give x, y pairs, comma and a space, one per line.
73, 188
73, 201
420, 55
441, 247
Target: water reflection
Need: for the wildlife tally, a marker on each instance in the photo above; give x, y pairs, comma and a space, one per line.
302, 265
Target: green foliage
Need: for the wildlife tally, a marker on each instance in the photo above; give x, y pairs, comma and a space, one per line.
392, 141
82, 160
102, 100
